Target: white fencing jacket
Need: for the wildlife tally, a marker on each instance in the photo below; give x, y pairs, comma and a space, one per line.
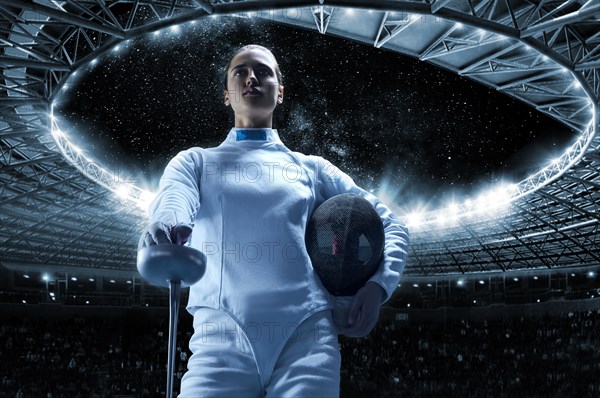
250, 199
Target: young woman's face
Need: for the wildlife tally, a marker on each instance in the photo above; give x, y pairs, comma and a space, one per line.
253, 90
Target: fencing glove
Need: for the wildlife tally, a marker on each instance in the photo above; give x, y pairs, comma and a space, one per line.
159, 232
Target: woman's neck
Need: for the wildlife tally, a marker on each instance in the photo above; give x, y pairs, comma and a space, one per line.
253, 123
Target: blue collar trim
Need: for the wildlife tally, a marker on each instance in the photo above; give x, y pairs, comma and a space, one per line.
251, 134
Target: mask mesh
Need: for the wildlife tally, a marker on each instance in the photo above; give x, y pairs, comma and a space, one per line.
345, 240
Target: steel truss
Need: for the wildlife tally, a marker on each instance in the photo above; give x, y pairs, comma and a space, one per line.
545, 53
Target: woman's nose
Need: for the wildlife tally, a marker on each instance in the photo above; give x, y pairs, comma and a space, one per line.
251, 78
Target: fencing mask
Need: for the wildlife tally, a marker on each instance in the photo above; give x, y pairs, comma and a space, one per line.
345, 241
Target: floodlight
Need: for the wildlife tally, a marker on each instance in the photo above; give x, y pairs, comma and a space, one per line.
414, 219
122, 190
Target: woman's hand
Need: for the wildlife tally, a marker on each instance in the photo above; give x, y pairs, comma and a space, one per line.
364, 311
159, 232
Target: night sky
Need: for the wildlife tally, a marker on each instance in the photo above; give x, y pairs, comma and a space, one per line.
391, 122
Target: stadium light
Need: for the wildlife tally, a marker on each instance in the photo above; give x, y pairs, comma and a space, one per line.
146, 198
482, 203
122, 190
453, 209
414, 219
441, 219
57, 133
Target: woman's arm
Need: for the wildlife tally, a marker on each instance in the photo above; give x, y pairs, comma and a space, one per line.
331, 182
364, 310
178, 200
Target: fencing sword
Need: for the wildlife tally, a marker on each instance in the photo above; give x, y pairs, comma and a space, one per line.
173, 266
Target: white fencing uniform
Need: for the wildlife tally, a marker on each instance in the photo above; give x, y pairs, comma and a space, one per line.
250, 200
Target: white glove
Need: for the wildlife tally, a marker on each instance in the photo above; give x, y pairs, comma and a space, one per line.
159, 232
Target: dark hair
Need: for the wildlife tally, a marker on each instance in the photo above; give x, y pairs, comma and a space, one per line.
252, 47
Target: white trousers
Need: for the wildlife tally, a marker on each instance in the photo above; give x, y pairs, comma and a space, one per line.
223, 364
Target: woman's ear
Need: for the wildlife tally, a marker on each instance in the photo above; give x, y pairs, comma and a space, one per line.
226, 98
280, 94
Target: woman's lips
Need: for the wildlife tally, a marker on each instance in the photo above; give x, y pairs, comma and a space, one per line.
252, 92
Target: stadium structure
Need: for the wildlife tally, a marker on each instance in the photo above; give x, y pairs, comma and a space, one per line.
63, 215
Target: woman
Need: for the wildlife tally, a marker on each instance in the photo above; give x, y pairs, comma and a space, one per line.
262, 319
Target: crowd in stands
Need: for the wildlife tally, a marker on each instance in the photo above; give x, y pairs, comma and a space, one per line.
555, 356
86, 357
552, 356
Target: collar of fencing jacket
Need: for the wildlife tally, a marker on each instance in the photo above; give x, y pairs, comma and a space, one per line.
253, 135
